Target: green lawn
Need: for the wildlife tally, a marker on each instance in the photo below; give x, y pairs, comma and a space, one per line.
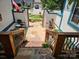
35, 18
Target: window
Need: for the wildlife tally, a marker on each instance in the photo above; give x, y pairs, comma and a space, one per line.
75, 18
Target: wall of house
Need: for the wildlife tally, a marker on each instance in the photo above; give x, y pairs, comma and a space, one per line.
48, 17
57, 19
6, 12
11, 28
23, 16
64, 26
19, 16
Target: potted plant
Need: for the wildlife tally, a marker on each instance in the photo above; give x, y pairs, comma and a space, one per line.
45, 45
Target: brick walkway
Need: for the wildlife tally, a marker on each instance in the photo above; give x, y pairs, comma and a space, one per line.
35, 35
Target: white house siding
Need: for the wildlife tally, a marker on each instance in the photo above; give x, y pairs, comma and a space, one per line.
57, 20
12, 27
19, 16
47, 18
6, 12
64, 26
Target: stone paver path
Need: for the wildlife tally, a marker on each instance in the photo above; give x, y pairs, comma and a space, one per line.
35, 35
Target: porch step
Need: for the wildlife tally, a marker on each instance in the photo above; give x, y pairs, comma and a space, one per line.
67, 54
2, 52
34, 53
75, 51
34, 44
2, 55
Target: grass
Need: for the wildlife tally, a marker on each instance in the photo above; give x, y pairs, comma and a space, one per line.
35, 18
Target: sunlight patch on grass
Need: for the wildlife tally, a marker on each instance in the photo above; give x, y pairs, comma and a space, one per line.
34, 18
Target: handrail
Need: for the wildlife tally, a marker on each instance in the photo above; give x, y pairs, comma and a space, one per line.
67, 41
11, 42
64, 33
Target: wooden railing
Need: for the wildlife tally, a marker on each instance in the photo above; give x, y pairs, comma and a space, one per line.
11, 41
63, 42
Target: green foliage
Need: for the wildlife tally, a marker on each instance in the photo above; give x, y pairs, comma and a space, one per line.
45, 45
78, 2
34, 18
70, 2
53, 4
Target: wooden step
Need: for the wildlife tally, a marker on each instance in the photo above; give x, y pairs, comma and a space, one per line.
3, 57
2, 52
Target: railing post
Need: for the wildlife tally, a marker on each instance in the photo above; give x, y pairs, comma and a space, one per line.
46, 36
59, 44
8, 46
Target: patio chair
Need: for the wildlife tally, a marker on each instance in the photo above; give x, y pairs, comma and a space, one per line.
20, 24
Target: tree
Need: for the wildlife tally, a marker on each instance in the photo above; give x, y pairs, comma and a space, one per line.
53, 4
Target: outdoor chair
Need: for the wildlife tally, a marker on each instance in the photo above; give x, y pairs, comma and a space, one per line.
20, 24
